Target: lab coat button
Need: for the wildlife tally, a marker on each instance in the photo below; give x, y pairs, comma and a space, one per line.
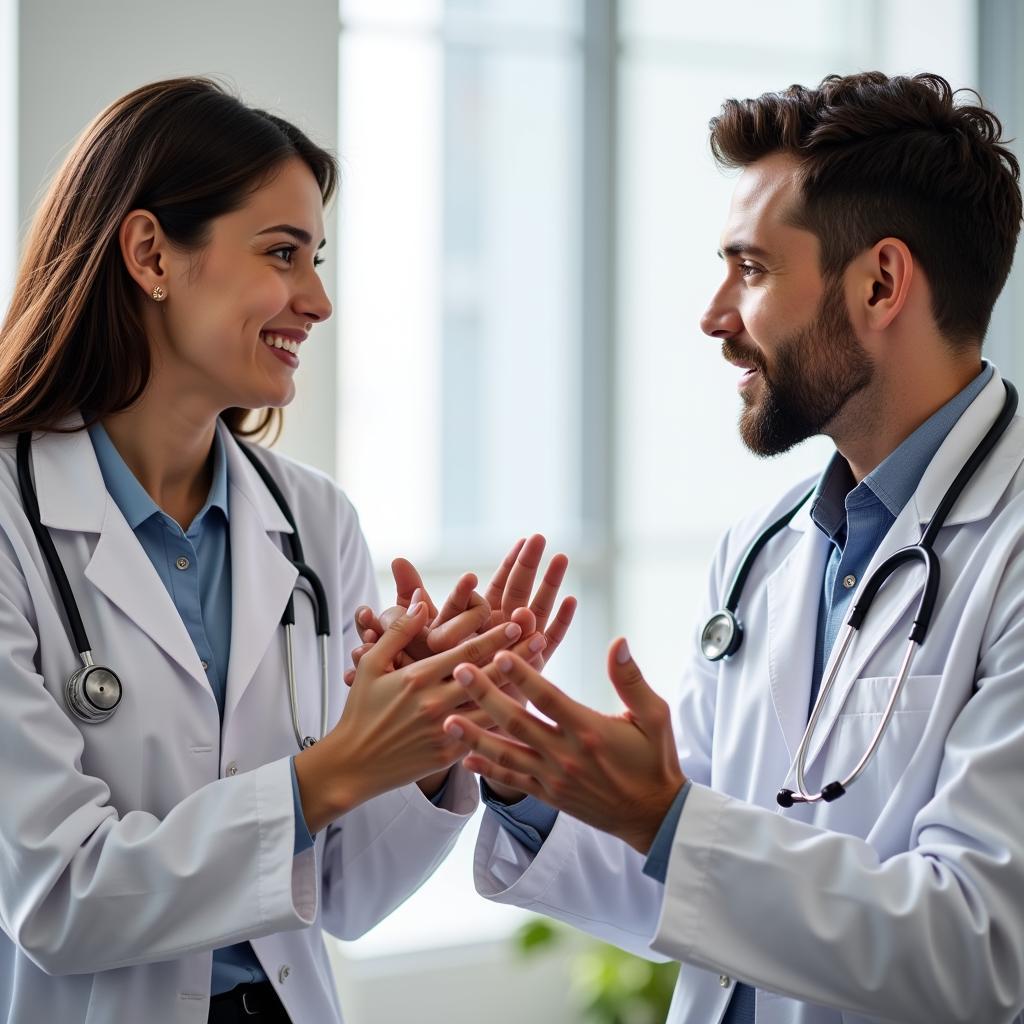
182, 563
233, 768
724, 980
850, 581
282, 975
205, 665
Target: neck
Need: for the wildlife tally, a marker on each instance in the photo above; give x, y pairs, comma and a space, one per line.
877, 420
167, 445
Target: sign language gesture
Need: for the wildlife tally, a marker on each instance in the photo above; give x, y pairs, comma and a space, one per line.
507, 599
619, 773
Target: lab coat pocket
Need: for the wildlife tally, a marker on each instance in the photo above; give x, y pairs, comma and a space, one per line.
855, 728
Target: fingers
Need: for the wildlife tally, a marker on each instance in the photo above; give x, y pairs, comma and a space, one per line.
506, 712
458, 600
407, 582
648, 709
471, 618
496, 588
544, 600
366, 620
519, 585
555, 633
504, 751
394, 639
545, 696
476, 650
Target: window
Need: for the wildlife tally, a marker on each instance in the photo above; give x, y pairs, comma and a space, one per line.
528, 230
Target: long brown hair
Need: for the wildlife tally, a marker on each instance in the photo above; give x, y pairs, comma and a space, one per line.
896, 157
187, 151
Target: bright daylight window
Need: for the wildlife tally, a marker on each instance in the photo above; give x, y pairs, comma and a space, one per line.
463, 299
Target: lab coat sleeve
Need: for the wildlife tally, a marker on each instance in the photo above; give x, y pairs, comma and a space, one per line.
381, 852
84, 888
933, 933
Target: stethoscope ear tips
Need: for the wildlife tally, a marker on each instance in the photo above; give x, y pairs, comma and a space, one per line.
784, 798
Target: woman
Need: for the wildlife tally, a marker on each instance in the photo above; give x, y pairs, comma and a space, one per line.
180, 847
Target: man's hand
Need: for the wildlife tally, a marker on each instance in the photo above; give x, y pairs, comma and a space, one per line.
619, 773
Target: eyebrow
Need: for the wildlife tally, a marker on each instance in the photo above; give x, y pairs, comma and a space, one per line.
299, 234
743, 249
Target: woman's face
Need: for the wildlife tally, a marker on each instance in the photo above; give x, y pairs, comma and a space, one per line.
238, 311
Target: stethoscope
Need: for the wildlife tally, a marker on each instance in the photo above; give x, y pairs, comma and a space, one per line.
723, 633
93, 692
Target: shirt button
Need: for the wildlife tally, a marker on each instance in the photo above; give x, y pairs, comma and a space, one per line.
233, 768
849, 581
205, 665
282, 975
724, 980
182, 563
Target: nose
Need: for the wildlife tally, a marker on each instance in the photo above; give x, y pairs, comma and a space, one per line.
311, 301
721, 319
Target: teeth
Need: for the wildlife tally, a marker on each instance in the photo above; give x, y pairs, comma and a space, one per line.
277, 341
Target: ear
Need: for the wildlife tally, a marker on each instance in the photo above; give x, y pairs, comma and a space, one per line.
144, 250
888, 268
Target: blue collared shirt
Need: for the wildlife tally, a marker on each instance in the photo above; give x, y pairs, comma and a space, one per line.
195, 567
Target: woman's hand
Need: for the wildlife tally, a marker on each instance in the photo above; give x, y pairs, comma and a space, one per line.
390, 730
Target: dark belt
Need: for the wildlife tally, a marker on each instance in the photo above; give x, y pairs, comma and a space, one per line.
250, 1002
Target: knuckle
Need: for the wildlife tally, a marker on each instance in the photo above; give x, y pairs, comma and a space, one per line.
416, 681
474, 651
588, 742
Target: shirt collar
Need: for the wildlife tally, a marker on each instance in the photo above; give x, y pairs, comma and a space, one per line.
131, 497
895, 479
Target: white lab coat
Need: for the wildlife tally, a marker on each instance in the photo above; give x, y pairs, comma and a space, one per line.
130, 849
902, 901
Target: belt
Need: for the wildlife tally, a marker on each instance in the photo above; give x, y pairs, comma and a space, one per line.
255, 1001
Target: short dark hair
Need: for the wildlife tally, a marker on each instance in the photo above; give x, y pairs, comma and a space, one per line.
895, 157
188, 151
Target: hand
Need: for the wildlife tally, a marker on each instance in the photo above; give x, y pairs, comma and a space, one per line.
390, 730
619, 773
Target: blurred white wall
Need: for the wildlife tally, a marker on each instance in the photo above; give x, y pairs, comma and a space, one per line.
74, 58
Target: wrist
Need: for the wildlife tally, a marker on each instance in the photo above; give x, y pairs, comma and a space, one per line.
328, 788
503, 794
431, 784
642, 831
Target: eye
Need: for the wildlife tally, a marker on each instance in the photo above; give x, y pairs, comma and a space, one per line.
319, 261
749, 269
283, 252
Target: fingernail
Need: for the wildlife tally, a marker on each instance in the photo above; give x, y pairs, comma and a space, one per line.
417, 596
454, 730
505, 664
537, 644
414, 609
463, 676
512, 631
622, 655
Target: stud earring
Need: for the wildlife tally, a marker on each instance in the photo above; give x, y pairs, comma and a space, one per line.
159, 294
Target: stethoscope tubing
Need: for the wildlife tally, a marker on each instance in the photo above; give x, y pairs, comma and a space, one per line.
923, 551
77, 688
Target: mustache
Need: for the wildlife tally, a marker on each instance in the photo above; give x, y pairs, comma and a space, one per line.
734, 352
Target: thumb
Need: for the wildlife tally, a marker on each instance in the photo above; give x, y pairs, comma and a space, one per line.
399, 633
644, 704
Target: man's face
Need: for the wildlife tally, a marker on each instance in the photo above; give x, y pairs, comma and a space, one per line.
778, 319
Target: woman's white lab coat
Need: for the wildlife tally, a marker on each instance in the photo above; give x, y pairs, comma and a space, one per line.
902, 901
129, 850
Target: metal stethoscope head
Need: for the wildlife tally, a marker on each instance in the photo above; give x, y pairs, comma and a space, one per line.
722, 635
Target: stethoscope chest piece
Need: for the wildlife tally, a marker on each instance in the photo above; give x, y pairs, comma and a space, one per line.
721, 636
92, 693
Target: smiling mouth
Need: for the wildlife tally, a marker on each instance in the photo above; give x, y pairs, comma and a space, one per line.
279, 341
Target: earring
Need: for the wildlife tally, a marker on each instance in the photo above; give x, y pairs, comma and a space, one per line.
159, 294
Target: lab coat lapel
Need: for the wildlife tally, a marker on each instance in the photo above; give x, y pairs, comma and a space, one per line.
793, 592
262, 577
73, 497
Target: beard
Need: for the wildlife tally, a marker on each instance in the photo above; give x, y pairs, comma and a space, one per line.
816, 370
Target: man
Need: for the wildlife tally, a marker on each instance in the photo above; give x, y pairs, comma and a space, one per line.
871, 230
